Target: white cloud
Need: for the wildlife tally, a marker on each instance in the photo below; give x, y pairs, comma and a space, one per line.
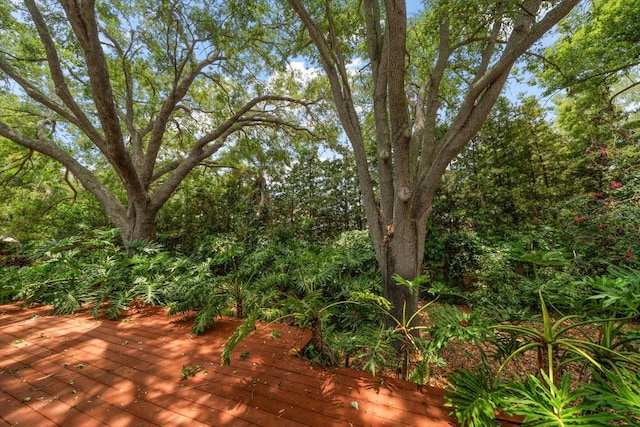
302, 72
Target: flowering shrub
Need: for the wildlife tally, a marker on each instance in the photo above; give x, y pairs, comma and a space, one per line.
600, 227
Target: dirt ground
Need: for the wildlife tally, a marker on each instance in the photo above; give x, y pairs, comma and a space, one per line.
458, 355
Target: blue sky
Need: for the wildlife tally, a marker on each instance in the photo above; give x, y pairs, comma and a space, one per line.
413, 6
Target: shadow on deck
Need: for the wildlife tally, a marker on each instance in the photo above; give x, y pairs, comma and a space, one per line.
74, 370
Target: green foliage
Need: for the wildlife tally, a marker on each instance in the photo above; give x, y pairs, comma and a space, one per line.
451, 323
196, 289
95, 270
317, 199
503, 181
327, 288
426, 360
554, 338
39, 200
189, 371
499, 289
60, 274
599, 225
474, 398
529, 207
618, 391
603, 38
552, 398
615, 294
542, 403
334, 291
459, 253
501, 278
375, 350
402, 341
238, 335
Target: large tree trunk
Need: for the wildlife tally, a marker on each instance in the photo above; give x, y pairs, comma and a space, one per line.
403, 246
141, 223
402, 250
401, 235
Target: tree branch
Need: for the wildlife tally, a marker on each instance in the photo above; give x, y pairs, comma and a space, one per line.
178, 92
427, 140
37, 95
483, 93
128, 80
378, 48
81, 16
113, 207
77, 116
348, 116
21, 165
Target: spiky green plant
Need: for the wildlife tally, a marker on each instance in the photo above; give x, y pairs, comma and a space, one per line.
550, 399
543, 404
618, 392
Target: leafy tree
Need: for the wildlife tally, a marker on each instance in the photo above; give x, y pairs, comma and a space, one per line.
317, 199
131, 97
38, 198
594, 65
509, 177
211, 201
272, 183
600, 225
433, 82
598, 47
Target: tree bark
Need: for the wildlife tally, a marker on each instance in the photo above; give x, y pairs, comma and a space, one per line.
141, 223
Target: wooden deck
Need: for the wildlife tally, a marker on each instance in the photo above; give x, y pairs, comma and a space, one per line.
77, 371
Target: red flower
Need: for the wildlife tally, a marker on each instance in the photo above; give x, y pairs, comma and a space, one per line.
603, 152
596, 195
579, 219
629, 255
615, 184
601, 225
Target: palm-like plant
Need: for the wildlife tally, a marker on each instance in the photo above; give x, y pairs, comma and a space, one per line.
549, 398
548, 340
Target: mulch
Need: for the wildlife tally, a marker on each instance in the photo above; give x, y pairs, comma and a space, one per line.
146, 369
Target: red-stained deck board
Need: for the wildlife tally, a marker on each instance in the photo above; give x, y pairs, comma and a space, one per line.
76, 371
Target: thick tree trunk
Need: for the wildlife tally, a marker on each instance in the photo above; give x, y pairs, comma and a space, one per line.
403, 249
141, 223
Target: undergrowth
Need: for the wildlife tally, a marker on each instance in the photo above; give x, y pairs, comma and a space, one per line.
334, 290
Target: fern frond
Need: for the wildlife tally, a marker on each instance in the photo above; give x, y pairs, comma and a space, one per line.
474, 398
238, 335
206, 316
